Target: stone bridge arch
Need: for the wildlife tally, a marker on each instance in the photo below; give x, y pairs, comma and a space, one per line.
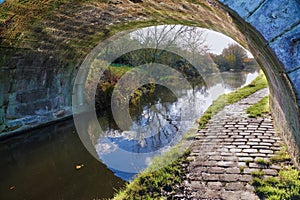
44, 43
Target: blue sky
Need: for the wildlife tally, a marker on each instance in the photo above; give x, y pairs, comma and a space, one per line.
1, 1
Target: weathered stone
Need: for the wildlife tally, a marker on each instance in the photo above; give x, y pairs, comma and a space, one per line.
214, 185
249, 170
245, 158
255, 165
235, 150
250, 151
265, 151
211, 194
261, 147
270, 172
231, 195
233, 170
261, 155
248, 196
252, 143
228, 177
216, 170
254, 140
245, 178
210, 177
265, 144
242, 154
244, 146
209, 163
234, 186
249, 187
225, 163
197, 185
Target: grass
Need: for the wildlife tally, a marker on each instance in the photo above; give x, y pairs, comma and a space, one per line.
226, 99
281, 156
257, 174
242, 169
247, 162
262, 161
259, 108
285, 186
157, 178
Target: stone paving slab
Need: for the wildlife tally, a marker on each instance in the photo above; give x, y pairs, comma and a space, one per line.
224, 154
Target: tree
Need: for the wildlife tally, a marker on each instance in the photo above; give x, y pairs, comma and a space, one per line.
235, 56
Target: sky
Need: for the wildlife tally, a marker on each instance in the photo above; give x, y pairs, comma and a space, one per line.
214, 40
218, 41
1, 1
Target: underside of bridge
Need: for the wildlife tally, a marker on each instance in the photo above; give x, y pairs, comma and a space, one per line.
43, 44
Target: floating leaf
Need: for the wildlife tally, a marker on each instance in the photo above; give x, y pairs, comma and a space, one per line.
12, 187
79, 166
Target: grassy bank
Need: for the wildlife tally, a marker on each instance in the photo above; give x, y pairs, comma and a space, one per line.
226, 99
260, 108
162, 177
285, 186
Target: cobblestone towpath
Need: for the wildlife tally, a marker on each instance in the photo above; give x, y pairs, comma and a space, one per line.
225, 153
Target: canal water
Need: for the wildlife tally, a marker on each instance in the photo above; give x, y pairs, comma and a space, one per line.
52, 163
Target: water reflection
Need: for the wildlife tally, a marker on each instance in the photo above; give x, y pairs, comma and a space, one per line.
42, 165
156, 123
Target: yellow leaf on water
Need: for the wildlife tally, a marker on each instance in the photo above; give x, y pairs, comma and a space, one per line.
79, 166
12, 187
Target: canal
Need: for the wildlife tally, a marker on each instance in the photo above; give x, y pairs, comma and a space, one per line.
52, 163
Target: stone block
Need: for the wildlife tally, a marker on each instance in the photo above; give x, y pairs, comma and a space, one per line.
248, 196
225, 163
250, 151
273, 17
233, 170
216, 170
31, 95
243, 8
214, 185
265, 151
210, 177
245, 178
287, 48
295, 80
229, 177
234, 186
2, 116
270, 172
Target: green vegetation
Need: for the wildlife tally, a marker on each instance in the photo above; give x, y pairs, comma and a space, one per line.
157, 178
285, 186
262, 161
247, 162
259, 108
242, 169
257, 174
227, 99
281, 156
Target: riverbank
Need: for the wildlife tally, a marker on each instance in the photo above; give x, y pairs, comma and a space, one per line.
194, 172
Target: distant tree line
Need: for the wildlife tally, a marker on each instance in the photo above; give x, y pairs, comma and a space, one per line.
232, 58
